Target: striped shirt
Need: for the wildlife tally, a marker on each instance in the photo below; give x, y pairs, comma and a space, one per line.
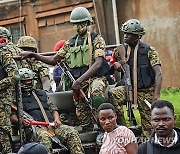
116, 141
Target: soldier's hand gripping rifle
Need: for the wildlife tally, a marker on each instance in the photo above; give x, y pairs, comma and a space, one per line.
49, 132
129, 93
68, 73
20, 113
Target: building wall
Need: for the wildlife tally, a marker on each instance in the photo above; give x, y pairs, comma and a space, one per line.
47, 21
162, 23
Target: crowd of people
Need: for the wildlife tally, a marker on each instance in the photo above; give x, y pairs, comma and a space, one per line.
84, 54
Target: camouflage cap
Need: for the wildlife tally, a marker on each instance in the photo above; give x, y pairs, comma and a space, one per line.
27, 42
26, 74
4, 33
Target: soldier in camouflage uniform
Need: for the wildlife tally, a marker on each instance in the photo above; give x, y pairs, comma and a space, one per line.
8, 76
66, 134
28, 43
149, 73
77, 55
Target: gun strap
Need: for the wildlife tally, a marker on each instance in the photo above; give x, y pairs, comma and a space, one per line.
135, 73
42, 109
90, 60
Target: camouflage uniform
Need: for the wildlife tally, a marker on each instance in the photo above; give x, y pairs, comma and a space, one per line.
76, 53
118, 95
98, 84
41, 69
9, 65
66, 134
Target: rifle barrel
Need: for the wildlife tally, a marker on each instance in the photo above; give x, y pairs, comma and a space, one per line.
66, 71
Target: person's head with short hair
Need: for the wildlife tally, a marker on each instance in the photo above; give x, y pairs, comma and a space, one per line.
107, 117
162, 118
33, 148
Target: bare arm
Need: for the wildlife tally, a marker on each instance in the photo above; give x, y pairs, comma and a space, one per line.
89, 73
51, 60
57, 121
117, 66
158, 82
131, 148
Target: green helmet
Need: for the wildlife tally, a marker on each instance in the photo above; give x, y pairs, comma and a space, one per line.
26, 74
27, 42
4, 33
133, 26
80, 14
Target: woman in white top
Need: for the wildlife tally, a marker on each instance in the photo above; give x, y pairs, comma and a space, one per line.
117, 139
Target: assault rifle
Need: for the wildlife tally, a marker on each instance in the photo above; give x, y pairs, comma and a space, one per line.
49, 132
129, 93
20, 113
68, 73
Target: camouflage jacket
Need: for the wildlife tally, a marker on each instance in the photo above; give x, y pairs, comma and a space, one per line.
36, 66
8, 64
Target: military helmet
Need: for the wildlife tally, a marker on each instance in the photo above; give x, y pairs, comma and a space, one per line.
26, 74
27, 42
80, 14
133, 26
4, 33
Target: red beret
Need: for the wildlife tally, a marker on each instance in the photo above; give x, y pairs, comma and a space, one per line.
59, 45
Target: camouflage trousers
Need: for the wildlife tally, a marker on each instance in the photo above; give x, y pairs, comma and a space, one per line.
83, 112
5, 126
66, 134
117, 97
